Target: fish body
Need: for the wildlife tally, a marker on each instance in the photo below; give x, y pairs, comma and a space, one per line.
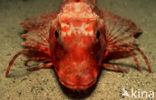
76, 40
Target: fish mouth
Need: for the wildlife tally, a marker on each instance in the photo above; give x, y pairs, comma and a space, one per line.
78, 85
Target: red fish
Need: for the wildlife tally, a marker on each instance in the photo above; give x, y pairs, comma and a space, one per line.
76, 40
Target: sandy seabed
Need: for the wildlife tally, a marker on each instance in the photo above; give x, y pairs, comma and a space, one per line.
43, 84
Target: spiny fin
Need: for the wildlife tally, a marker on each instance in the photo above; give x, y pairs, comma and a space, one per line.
38, 22
119, 30
38, 29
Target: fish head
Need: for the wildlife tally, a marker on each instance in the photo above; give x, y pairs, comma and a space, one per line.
77, 48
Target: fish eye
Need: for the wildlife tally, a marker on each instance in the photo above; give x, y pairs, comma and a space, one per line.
98, 34
56, 34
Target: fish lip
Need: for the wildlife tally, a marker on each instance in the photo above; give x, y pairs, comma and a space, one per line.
78, 87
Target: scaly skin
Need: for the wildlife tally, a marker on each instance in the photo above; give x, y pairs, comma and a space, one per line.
77, 39
77, 51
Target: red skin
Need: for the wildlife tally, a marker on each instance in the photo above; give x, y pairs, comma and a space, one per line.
76, 44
